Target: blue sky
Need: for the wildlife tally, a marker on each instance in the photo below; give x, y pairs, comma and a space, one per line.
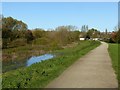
99, 15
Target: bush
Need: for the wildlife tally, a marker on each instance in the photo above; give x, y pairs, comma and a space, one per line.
118, 37
5, 43
41, 41
29, 36
111, 41
55, 46
17, 42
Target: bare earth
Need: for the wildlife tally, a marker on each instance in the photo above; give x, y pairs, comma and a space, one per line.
94, 70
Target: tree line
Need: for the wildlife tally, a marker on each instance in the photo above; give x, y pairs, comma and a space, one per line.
110, 37
16, 33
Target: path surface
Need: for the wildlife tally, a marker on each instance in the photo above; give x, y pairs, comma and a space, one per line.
93, 70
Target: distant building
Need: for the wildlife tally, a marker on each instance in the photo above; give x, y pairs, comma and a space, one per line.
82, 38
95, 39
87, 37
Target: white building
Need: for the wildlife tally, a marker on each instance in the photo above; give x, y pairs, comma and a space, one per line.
82, 38
95, 39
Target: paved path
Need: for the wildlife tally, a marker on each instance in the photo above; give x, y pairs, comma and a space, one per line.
93, 70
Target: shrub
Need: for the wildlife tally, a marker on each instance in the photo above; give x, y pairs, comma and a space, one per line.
41, 41
17, 42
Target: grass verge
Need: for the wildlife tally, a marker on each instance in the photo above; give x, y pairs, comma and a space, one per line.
113, 52
40, 74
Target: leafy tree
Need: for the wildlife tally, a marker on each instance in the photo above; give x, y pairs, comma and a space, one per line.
29, 36
62, 34
114, 37
38, 33
106, 32
12, 29
117, 38
76, 35
67, 34
93, 33
84, 30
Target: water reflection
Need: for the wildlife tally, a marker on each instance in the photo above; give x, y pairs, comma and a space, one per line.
36, 59
15, 64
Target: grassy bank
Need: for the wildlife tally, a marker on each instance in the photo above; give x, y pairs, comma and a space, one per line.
113, 51
40, 74
20, 54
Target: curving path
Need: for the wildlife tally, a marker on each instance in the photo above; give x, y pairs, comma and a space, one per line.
94, 70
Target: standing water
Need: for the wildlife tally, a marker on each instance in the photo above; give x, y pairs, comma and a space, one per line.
36, 59
15, 64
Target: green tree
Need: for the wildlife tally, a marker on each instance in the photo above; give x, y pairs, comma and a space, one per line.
84, 30
118, 36
67, 34
93, 33
12, 29
29, 36
38, 33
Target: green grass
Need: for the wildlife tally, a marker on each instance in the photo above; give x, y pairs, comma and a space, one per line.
113, 51
40, 74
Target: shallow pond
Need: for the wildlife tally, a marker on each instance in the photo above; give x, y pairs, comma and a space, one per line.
15, 64
36, 59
